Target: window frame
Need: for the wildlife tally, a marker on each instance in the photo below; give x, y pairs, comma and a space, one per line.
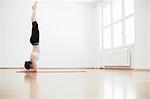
111, 25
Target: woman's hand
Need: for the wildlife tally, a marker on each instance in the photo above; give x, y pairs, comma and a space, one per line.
30, 70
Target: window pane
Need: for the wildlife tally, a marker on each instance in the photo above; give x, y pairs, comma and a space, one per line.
129, 7
107, 38
117, 10
107, 14
117, 34
129, 31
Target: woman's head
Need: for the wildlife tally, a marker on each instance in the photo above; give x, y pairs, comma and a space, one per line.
28, 65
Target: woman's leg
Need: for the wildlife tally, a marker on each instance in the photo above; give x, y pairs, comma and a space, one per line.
34, 39
34, 12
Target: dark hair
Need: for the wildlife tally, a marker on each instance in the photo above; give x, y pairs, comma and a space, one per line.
28, 64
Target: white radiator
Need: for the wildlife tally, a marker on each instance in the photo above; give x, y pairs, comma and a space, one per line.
117, 57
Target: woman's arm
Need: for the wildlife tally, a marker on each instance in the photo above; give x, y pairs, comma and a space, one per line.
34, 66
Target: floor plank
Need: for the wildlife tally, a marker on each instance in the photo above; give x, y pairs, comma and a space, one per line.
73, 84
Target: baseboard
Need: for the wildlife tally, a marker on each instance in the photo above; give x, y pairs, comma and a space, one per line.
52, 67
11, 67
118, 67
101, 67
141, 68
66, 68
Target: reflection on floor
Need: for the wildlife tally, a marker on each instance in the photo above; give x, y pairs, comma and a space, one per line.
92, 84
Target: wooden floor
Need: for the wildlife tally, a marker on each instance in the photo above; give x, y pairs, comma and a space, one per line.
79, 84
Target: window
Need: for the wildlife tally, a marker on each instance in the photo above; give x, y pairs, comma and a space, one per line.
107, 14
129, 7
117, 24
129, 31
117, 10
107, 38
117, 35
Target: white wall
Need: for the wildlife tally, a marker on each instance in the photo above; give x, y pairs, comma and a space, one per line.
16, 28
0, 31
96, 26
100, 36
148, 37
141, 31
69, 34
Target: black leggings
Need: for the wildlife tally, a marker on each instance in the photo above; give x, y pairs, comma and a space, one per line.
34, 39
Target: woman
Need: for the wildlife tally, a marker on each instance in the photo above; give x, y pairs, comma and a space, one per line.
34, 40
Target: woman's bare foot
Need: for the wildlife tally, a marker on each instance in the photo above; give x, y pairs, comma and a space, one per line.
35, 5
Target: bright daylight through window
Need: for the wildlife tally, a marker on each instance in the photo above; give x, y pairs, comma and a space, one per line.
118, 24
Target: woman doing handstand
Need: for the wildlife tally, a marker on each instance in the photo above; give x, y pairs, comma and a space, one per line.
34, 40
